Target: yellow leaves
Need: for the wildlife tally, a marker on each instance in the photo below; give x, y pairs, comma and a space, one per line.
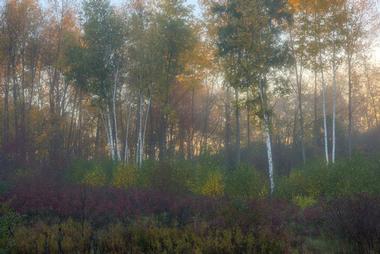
95, 177
304, 201
181, 78
196, 62
315, 6
214, 185
125, 177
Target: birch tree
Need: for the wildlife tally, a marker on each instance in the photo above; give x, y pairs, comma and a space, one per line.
96, 64
249, 36
336, 20
141, 69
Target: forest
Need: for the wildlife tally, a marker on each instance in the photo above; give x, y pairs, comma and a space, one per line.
176, 126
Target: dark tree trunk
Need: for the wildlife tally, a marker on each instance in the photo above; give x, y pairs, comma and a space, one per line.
237, 117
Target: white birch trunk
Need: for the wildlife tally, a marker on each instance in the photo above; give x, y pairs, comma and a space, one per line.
324, 113
269, 151
106, 128
267, 137
110, 134
139, 134
116, 139
145, 127
126, 149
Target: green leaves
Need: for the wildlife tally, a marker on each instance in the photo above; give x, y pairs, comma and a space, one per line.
94, 61
249, 39
344, 178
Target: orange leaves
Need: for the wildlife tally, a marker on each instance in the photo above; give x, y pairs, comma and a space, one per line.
295, 5
196, 62
311, 6
20, 15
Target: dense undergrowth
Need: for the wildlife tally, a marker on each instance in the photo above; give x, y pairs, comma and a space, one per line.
198, 207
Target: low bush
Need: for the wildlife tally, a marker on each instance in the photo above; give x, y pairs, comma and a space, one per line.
214, 185
74, 237
342, 179
246, 183
202, 177
356, 221
9, 220
125, 177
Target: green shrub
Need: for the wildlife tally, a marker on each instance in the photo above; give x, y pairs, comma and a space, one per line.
344, 178
214, 185
68, 237
113, 239
167, 178
75, 237
304, 201
125, 177
246, 183
95, 177
91, 172
9, 220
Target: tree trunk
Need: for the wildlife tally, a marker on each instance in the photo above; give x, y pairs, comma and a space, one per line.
316, 124
370, 93
298, 72
248, 122
147, 113
114, 118
97, 136
162, 136
237, 116
126, 144
267, 135
349, 63
191, 138
205, 131
301, 121
109, 132
139, 129
228, 131
334, 109
6, 108
324, 113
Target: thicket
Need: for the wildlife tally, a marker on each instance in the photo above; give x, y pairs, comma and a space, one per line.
192, 207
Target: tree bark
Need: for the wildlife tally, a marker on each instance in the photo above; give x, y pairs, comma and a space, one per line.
324, 113
349, 63
301, 119
139, 129
126, 144
248, 122
334, 108
237, 116
316, 124
147, 113
114, 118
298, 72
6, 108
266, 121
228, 131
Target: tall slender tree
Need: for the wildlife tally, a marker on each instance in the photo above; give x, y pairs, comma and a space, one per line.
249, 42
96, 63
